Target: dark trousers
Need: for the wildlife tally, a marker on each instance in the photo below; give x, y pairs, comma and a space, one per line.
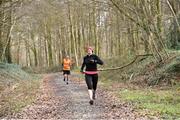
91, 81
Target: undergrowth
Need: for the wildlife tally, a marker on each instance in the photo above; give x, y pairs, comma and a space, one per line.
17, 89
148, 85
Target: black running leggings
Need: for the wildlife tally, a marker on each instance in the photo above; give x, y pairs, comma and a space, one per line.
91, 81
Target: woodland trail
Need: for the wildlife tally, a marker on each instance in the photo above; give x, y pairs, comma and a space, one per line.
61, 101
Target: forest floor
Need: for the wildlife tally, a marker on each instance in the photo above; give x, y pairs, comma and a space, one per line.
61, 101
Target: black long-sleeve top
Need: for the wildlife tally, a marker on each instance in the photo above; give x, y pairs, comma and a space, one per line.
91, 61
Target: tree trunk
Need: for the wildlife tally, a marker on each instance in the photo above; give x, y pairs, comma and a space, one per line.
1, 27
7, 47
49, 45
72, 37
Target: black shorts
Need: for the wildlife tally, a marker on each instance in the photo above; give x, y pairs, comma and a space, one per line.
91, 81
67, 72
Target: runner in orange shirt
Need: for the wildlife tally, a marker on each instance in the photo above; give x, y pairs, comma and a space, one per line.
66, 68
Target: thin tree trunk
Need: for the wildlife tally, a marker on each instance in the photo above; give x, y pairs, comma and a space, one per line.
6, 55
49, 45
1, 27
174, 14
72, 37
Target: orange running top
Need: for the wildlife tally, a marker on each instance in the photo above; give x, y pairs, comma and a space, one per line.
66, 64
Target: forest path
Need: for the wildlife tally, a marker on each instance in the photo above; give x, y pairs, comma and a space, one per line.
61, 101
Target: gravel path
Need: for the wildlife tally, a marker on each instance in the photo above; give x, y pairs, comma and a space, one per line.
61, 101
76, 96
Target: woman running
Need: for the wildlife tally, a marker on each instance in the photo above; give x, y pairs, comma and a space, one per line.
90, 61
